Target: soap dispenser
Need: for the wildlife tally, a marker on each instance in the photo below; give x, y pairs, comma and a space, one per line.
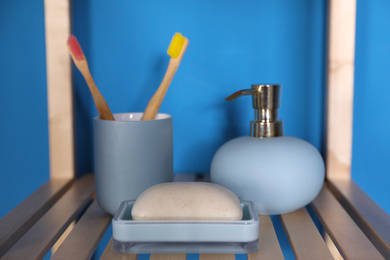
279, 173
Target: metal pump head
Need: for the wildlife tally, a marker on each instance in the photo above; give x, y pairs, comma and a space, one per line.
266, 99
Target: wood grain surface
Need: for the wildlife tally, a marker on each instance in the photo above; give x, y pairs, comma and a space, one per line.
369, 216
346, 235
59, 89
340, 86
17, 222
269, 247
86, 235
110, 254
305, 239
41, 237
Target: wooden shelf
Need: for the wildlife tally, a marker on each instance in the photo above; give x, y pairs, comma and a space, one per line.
63, 214
63, 202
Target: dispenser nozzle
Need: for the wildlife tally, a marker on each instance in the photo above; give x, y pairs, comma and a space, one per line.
243, 92
265, 100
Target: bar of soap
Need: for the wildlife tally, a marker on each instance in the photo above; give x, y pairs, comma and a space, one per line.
187, 201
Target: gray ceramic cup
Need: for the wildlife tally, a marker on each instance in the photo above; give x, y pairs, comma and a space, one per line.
131, 156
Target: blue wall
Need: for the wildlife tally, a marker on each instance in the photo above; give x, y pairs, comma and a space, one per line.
24, 154
371, 137
232, 45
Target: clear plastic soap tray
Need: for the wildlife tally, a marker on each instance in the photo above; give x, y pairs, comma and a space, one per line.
183, 236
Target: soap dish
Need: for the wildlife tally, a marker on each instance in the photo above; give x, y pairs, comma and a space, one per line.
183, 236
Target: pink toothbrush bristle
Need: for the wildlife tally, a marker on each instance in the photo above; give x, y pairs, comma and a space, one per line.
75, 48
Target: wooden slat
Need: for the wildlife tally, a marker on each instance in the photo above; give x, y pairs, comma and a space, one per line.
81, 243
188, 177
371, 218
304, 236
269, 247
341, 57
110, 254
40, 238
16, 223
332, 247
168, 257
217, 257
62, 237
346, 235
184, 177
59, 89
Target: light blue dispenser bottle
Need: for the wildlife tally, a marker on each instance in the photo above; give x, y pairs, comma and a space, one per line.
280, 174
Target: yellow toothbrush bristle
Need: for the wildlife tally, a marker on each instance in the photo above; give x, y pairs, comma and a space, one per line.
176, 45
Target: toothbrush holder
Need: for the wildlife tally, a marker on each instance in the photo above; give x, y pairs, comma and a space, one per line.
130, 156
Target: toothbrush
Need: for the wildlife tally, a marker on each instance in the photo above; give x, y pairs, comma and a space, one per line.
81, 63
176, 50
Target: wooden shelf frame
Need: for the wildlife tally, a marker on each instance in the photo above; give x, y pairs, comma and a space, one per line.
357, 226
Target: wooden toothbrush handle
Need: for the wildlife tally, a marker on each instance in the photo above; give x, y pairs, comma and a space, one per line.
156, 101
100, 103
158, 97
